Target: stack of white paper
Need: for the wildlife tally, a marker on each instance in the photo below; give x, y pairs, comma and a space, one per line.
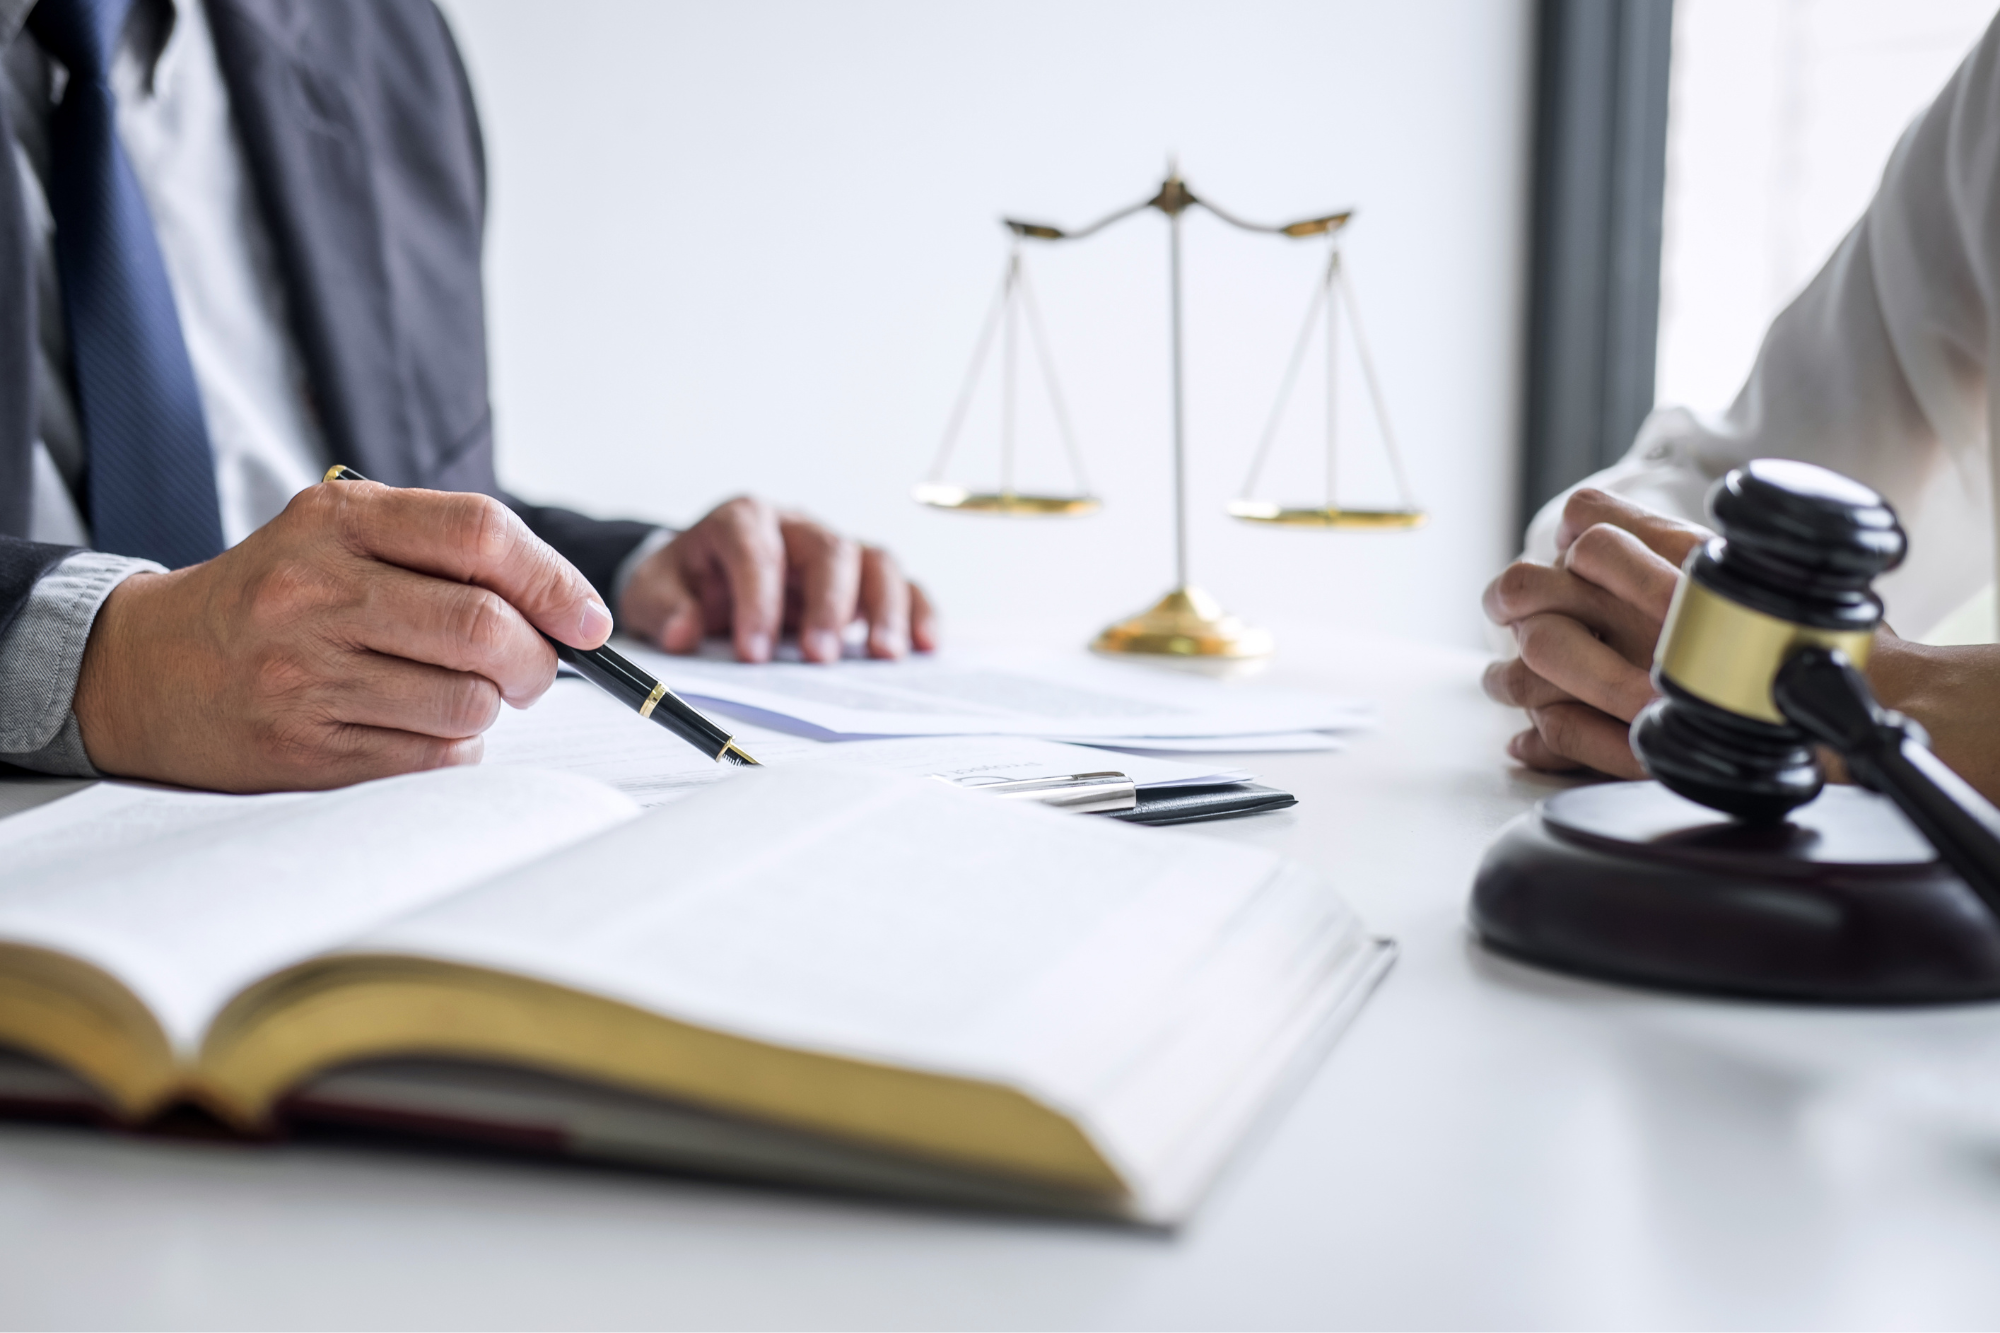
1073, 697
578, 728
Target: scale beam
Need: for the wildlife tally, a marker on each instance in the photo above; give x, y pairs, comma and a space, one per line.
1187, 622
1174, 198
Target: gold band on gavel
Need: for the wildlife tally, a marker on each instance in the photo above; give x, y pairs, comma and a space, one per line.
1724, 652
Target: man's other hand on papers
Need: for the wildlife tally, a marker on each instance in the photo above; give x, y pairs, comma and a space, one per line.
365, 631
753, 572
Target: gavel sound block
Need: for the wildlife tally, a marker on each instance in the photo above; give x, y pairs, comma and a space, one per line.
1737, 871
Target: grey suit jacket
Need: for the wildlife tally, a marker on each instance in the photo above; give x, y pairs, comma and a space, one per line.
364, 147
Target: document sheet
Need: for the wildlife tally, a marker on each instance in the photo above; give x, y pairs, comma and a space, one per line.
578, 728
1073, 696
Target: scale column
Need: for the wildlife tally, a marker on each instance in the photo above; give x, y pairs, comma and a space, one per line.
1187, 622
1180, 404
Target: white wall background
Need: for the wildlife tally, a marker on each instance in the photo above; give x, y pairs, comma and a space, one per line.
748, 246
1783, 115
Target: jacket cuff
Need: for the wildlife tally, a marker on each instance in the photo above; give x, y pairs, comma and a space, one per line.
629, 566
41, 655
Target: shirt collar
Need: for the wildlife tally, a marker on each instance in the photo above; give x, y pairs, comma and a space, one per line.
13, 16
150, 25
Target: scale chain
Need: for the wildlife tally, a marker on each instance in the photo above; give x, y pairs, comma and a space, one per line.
1008, 376
1040, 338
1291, 379
973, 372
1332, 385
1375, 395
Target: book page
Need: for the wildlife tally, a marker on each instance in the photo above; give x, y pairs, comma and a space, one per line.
578, 728
870, 915
187, 897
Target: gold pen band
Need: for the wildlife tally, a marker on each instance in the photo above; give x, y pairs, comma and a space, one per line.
1722, 651
653, 699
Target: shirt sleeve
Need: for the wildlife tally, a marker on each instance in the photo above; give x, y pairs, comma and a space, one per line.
1879, 369
41, 654
629, 566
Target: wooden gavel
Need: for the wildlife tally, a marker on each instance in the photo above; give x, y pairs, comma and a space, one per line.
1760, 661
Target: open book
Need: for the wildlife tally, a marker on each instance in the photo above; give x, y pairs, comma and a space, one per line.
821, 973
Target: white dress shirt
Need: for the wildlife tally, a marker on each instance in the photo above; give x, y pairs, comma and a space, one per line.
173, 119
1881, 369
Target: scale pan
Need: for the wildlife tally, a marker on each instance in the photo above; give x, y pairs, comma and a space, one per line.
1309, 516
941, 496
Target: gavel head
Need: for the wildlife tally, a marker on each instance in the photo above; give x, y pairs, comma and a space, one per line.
1799, 548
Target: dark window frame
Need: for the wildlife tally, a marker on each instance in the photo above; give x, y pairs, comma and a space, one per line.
1600, 161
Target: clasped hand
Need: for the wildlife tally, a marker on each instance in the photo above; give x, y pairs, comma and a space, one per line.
368, 631
1585, 628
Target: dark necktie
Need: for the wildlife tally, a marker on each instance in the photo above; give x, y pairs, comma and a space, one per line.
151, 473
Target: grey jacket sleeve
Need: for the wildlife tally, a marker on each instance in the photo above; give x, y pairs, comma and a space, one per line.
41, 652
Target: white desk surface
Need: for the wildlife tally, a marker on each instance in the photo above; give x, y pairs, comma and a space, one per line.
1487, 1146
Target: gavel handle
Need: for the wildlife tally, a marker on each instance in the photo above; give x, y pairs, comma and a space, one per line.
1819, 690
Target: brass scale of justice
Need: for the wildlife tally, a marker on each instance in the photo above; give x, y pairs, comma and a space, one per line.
1187, 622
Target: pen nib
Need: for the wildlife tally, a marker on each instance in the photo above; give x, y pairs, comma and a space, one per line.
735, 754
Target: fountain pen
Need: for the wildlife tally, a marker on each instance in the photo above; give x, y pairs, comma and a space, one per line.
629, 685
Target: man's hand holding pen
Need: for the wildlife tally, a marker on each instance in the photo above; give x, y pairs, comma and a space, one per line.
369, 631
365, 631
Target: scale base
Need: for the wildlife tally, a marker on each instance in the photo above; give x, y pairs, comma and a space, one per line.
1843, 904
1187, 622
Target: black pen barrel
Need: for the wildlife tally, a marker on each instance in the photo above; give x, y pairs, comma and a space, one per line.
621, 679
